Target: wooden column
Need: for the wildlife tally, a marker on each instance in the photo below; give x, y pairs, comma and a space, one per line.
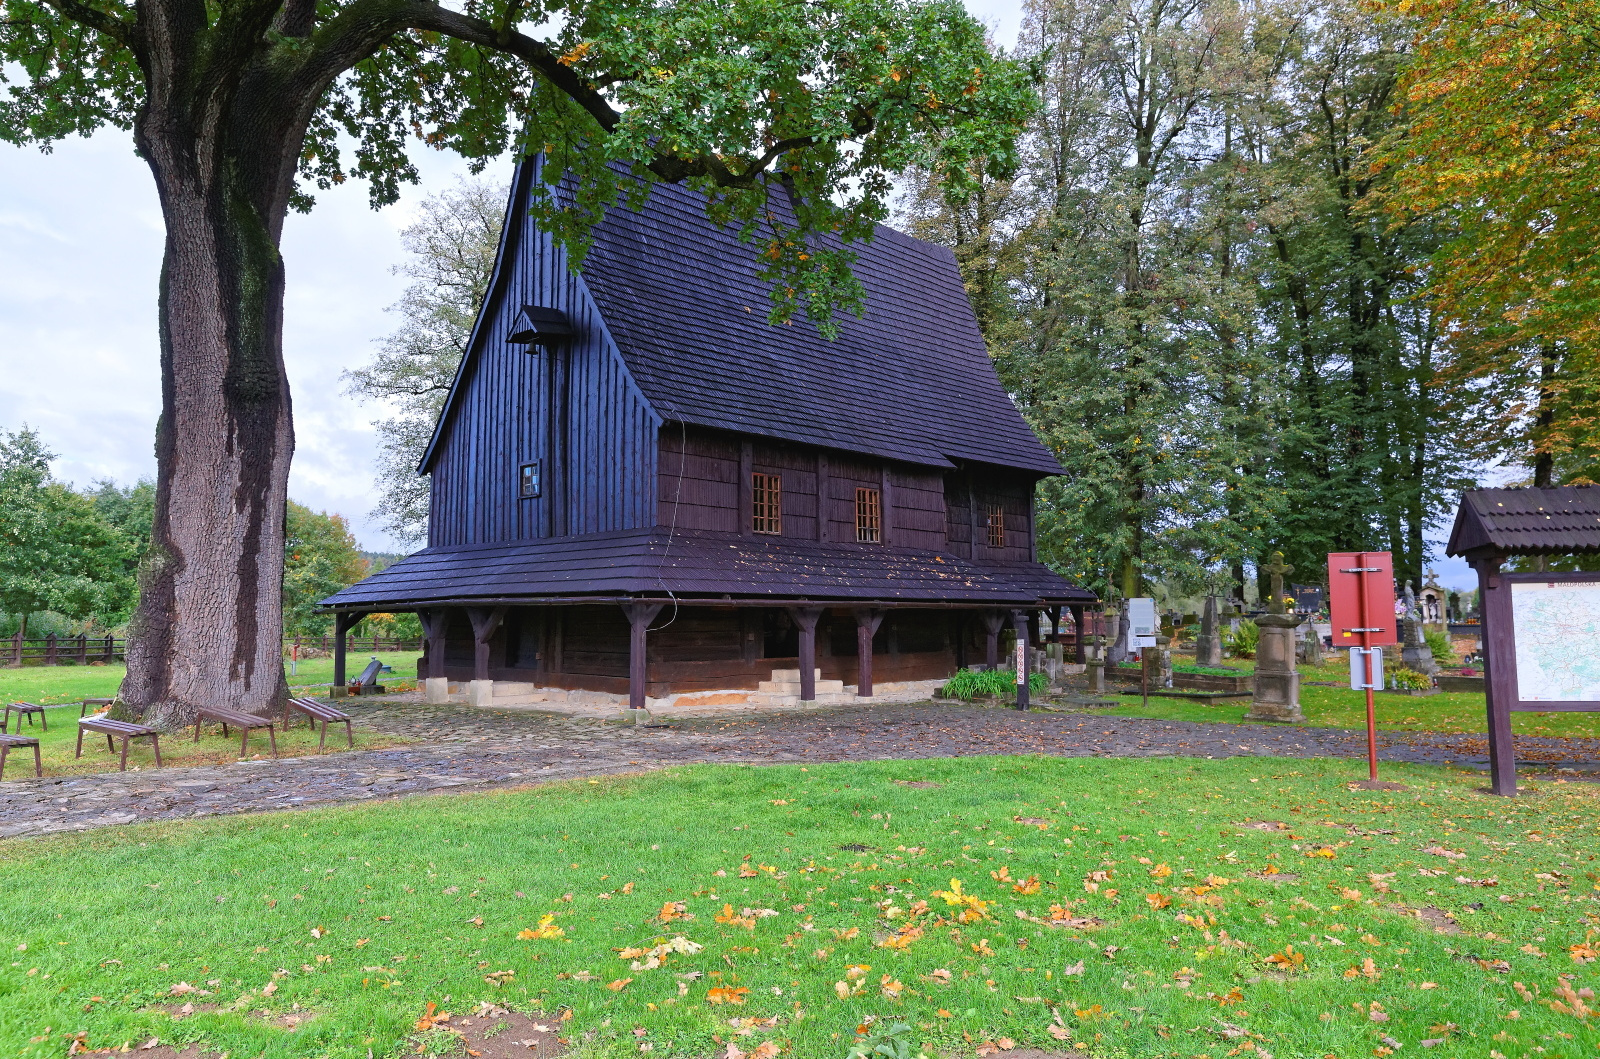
1081, 652
992, 621
824, 498
485, 620
747, 464
342, 624
435, 624
806, 618
640, 615
972, 516
867, 621
1494, 605
886, 507
1019, 623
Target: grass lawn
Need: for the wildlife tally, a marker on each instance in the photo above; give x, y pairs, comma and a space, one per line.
1339, 707
56, 746
48, 685
1116, 907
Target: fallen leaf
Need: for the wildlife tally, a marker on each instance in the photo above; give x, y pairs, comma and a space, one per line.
619, 985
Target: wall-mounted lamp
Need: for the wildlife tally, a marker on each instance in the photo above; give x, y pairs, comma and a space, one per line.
539, 326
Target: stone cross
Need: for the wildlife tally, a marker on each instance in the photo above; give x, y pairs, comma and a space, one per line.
1278, 569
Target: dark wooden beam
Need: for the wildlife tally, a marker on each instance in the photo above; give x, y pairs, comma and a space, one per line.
747, 466
992, 621
806, 618
886, 507
867, 622
342, 624
1019, 624
824, 498
1499, 672
1080, 652
640, 615
485, 620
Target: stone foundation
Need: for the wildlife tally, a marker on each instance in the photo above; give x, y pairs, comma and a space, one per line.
780, 693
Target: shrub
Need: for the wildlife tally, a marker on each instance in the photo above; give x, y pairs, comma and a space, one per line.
1439, 644
895, 1042
1403, 679
968, 684
1243, 643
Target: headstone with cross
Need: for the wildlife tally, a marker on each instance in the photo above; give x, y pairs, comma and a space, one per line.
1277, 683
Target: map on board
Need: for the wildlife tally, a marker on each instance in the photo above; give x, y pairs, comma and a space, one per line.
1557, 636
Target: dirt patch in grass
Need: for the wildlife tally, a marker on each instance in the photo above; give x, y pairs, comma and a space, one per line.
1266, 825
508, 1035
921, 785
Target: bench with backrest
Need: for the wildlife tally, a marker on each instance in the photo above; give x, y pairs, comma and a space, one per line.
9, 741
321, 711
123, 730
239, 719
23, 709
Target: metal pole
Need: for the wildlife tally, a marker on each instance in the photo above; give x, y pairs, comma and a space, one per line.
1366, 644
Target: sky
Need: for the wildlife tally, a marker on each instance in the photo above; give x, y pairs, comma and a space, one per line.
80, 255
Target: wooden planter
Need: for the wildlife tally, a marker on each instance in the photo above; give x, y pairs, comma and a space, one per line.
1453, 682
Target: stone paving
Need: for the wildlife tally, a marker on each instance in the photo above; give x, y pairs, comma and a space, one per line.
462, 748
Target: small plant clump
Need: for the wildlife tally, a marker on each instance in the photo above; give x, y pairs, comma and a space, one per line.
1242, 642
1439, 644
1403, 679
968, 684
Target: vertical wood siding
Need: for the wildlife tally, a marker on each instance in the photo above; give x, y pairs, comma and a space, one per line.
575, 409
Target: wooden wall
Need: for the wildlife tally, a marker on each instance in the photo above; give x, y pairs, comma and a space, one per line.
701, 485
705, 648
1014, 494
574, 408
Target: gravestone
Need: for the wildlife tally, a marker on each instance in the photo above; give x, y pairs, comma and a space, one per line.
1415, 653
1277, 694
1208, 645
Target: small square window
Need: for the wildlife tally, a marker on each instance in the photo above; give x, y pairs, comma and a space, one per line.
869, 516
766, 503
995, 521
528, 480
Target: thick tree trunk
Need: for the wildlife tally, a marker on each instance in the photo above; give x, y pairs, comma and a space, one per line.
209, 625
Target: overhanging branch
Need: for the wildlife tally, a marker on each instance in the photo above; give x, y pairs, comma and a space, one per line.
81, 13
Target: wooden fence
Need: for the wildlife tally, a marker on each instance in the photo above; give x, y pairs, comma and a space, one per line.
55, 650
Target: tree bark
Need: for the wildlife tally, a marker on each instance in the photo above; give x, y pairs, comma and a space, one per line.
209, 625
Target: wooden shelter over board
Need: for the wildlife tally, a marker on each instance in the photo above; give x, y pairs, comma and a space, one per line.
1541, 629
642, 486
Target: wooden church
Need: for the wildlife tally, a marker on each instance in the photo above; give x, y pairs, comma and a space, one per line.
642, 487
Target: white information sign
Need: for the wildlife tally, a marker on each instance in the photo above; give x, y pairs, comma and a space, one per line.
1143, 624
1557, 636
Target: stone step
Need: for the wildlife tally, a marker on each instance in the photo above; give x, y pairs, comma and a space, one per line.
793, 675
506, 689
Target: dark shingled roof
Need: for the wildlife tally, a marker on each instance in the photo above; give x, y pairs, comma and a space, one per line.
700, 564
910, 380
1556, 521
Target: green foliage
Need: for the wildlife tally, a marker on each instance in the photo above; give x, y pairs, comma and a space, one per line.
969, 683
896, 1041
1242, 642
1439, 644
57, 551
1403, 679
320, 558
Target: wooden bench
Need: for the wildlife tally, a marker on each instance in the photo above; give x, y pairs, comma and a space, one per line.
94, 704
23, 709
118, 729
240, 720
9, 741
321, 711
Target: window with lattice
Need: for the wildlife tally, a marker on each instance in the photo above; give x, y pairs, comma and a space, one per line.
995, 521
869, 516
766, 503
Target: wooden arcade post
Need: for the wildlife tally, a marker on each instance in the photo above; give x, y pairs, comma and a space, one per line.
806, 618
867, 621
640, 615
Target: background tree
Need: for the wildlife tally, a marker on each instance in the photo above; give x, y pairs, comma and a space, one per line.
1500, 153
320, 557
452, 246
56, 551
240, 108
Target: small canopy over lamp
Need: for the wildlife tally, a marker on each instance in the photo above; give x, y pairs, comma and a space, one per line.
537, 326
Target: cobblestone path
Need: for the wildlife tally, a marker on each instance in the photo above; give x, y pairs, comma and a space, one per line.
460, 748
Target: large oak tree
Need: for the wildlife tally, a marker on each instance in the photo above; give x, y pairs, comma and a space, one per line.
242, 108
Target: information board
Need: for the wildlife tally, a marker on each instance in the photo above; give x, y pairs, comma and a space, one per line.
1556, 639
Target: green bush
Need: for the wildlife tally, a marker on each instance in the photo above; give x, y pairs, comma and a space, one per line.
968, 684
1403, 679
1439, 644
1243, 643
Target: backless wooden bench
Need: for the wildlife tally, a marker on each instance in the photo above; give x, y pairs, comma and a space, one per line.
122, 730
23, 709
9, 741
321, 711
239, 719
